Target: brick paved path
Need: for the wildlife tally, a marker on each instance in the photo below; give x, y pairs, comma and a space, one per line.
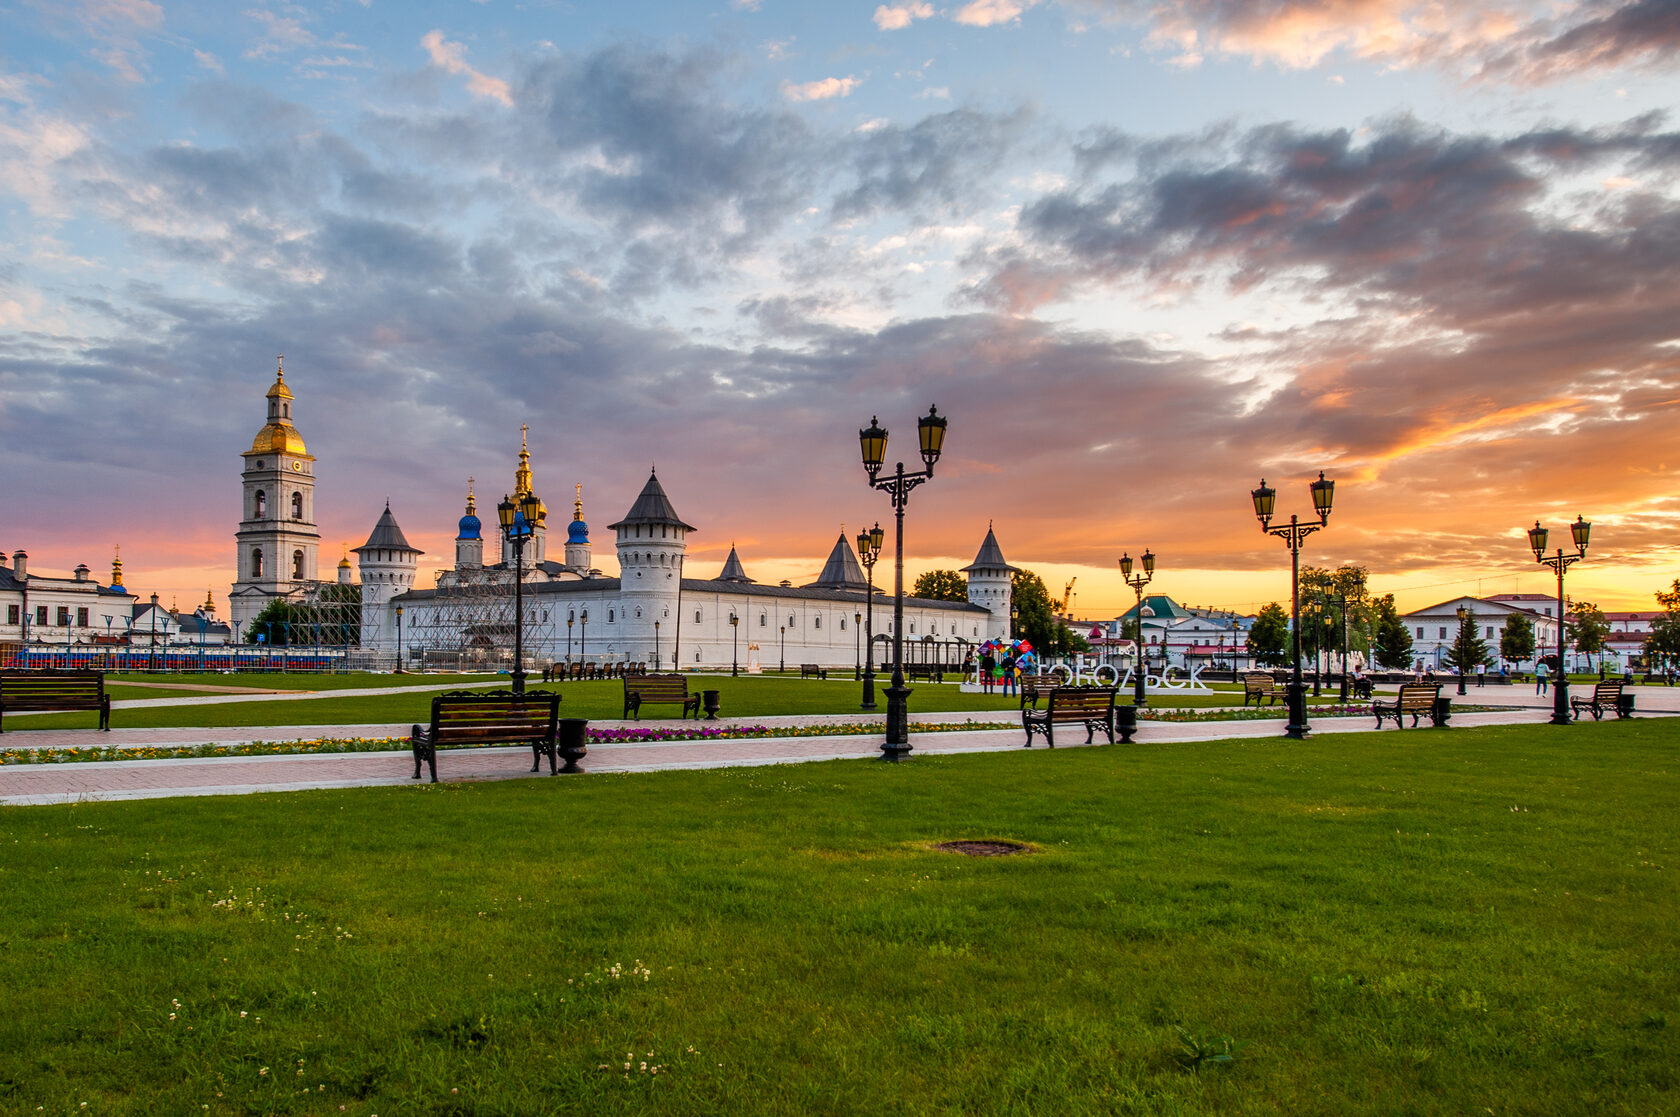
139, 779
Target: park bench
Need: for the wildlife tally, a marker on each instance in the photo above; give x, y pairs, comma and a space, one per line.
55, 690
1258, 685
812, 671
1035, 686
468, 717
1090, 706
1606, 696
1417, 699
639, 690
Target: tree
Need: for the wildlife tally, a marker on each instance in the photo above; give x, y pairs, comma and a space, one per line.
1392, 647
1663, 644
1517, 643
1036, 622
1322, 593
1268, 640
1589, 630
941, 585
1468, 649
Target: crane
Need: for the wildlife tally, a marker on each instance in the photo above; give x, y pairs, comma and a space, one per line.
1065, 606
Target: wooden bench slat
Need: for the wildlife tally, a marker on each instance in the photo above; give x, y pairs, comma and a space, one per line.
1606, 696
73, 691
476, 718
642, 689
1092, 707
1417, 699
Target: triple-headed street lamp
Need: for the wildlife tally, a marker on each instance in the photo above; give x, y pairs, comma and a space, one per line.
1580, 531
518, 522
1137, 583
1265, 501
873, 441
869, 552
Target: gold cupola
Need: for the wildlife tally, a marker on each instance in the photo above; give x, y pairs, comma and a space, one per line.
279, 436
116, 568
522, 475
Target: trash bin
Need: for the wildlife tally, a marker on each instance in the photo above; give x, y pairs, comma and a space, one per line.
709, 698
574, 732
1443, 711
1125, 722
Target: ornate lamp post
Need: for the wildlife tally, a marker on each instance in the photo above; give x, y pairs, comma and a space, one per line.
782, 655
857, 646
873, 442
869, 552
1463, 619
1580, 531
1137, 583
583, 633
518, 522
734, 644
1293, 535
399, 639
656, 645
570, 616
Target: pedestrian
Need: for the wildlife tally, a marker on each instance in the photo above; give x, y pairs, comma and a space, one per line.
987, 666
1539, 676
1009, 673
1481, 674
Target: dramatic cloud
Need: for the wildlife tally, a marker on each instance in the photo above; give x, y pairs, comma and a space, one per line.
899, 16
451, 57
990, 13
1497, 39
821, 90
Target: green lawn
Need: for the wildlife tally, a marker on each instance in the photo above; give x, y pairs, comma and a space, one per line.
756, 696
1400, 923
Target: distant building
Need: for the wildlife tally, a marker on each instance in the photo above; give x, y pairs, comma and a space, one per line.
1435, 627
46, 611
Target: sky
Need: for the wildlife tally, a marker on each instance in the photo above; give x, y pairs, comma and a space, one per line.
1141, 255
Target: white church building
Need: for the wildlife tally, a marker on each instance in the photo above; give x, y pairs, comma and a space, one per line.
652, 612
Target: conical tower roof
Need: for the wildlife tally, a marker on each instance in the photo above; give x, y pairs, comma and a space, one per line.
387, 535
842, 571
990, 556
651, 507
733, 571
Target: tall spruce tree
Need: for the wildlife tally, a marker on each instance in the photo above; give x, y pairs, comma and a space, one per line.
1268, 640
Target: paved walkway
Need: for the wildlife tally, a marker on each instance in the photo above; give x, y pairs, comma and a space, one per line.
143, 779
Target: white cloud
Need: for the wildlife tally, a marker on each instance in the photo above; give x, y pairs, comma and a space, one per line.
209, 62
821, 90
935, 93
449, 56
897, 17
990, 13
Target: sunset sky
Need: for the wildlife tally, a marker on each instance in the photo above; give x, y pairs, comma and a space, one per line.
1141, 254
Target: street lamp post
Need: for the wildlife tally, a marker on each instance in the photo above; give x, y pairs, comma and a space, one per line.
399, 638
656, 645
1293, 535
734, 644
873, 442
583, 635
571, 615
857, 646
518, 522
869, 552
1579, 531
1137, 583
782, 668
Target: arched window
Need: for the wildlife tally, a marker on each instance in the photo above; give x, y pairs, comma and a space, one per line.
262, 505
817, 622
256, 563
790, 620
762, 621
297, 565
609, 616
696, 616
297, 506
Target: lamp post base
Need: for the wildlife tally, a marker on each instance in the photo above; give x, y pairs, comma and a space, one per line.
1560, 702
1297, 701
869, 690
897, 745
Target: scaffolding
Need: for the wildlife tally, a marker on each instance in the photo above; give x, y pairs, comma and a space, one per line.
466, 624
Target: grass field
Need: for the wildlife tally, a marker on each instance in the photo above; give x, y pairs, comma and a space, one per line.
1407, 923
756, 696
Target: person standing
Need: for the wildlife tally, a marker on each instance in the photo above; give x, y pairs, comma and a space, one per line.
1481, 674
1009, 674
1540, 676
987, 666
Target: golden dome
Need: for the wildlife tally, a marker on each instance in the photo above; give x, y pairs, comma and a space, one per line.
279, 438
